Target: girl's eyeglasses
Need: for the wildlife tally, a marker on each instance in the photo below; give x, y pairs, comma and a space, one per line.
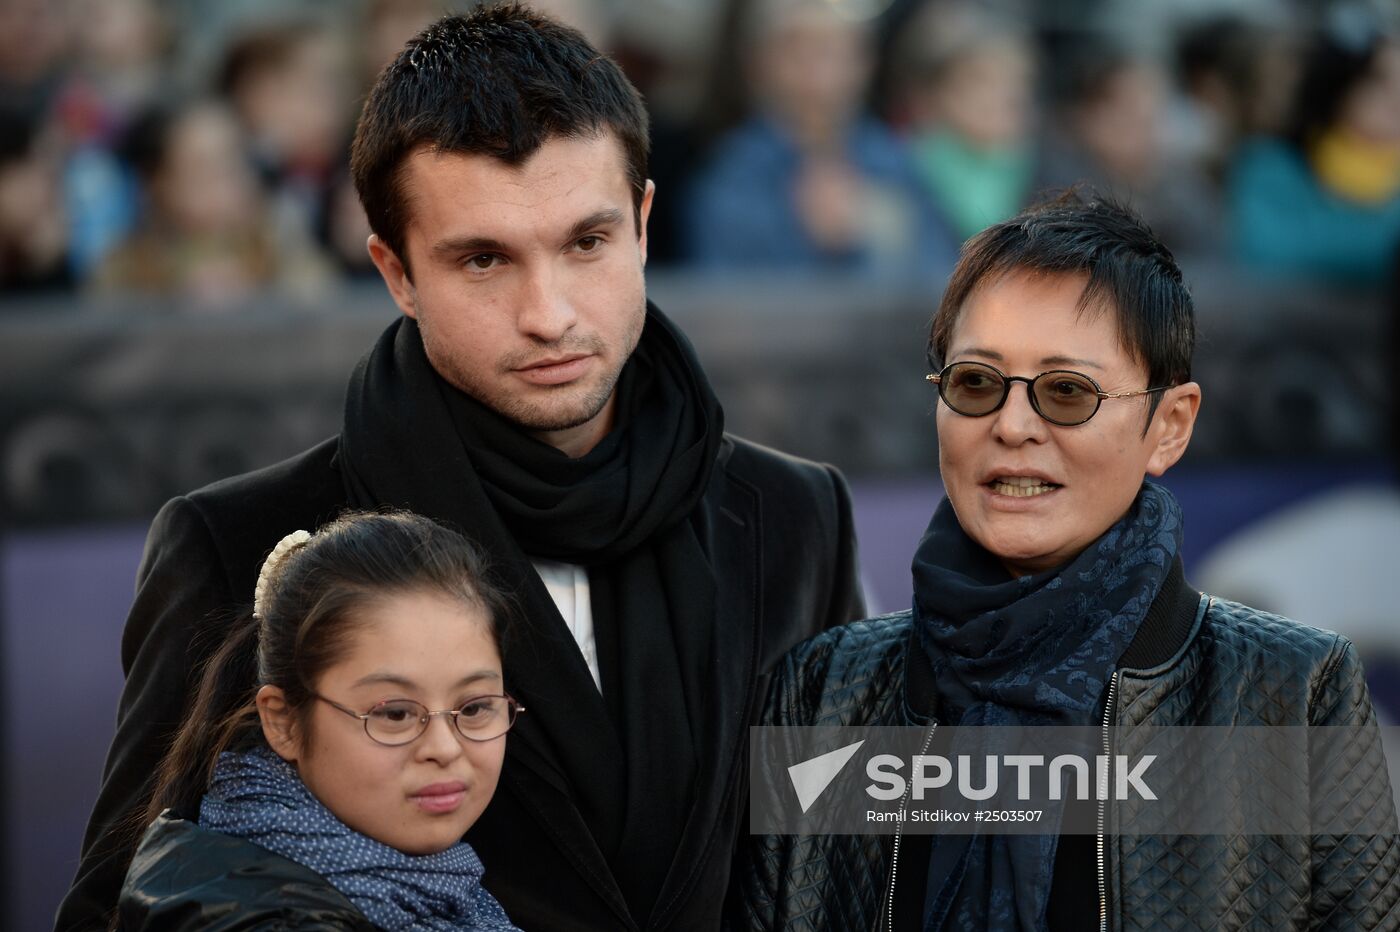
396, 722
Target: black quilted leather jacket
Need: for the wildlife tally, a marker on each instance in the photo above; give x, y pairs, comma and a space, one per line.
1220, 663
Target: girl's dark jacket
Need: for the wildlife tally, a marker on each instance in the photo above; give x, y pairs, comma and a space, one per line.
186, 878
1196, 660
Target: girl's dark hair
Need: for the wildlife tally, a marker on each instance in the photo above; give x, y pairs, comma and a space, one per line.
306, 615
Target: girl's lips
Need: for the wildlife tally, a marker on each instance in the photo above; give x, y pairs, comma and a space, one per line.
440, 797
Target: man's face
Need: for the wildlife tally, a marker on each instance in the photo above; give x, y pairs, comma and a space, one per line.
527, 280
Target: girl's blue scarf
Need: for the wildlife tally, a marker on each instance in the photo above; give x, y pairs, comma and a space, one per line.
257, 796
1035, 650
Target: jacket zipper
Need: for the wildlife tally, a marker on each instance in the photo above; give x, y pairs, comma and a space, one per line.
1103, 804
1102, 872
898, 834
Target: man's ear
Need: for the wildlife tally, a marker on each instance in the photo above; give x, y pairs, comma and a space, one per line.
392, 270
278, 723
1172, 425
643, 212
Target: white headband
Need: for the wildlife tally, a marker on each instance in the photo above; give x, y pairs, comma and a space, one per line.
270, 566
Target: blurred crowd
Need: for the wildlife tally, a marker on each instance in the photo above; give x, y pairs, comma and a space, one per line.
198, 149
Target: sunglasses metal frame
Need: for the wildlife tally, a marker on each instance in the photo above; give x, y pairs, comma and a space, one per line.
513, 707
938, 379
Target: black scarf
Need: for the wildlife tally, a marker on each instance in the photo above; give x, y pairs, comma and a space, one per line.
1037, 650
625, 511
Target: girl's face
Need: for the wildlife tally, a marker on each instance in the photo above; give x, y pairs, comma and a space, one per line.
420, 797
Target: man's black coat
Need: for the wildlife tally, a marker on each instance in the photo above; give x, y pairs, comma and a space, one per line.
782, 548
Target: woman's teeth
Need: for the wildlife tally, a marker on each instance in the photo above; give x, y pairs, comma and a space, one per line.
1021, 487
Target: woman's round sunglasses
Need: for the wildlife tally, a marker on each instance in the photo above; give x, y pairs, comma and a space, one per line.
1061, 396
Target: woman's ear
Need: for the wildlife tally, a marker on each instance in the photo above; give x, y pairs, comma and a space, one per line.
278, 723
1172, 426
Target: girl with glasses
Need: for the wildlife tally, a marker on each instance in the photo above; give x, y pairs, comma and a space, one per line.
343, 740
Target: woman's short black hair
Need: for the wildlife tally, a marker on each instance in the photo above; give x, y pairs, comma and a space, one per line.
1131, 274
499, 82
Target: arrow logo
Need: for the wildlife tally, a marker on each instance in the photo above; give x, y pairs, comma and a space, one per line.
811, 777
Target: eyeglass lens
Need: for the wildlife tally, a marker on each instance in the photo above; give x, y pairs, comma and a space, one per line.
1061, 396
402, 720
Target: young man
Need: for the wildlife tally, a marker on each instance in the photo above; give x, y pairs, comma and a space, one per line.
533, 398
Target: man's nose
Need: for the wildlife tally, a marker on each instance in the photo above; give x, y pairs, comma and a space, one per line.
546, 311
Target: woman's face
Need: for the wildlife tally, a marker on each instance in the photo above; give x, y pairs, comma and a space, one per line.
420, 797
1033, 493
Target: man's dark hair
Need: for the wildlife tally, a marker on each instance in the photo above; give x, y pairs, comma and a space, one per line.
1131, 275
500, 82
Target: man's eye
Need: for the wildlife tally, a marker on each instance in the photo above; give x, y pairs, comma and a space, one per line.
482, 262
589, 243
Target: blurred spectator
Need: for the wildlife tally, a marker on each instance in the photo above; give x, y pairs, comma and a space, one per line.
118, 71
1237, 78
117, 66
963, 87
1325, 201
289, 81
1110, 134
666, 51
34, 39
204, 236
33, 230
811, 182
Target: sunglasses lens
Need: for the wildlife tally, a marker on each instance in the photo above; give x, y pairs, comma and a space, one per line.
1066, 397
971, 388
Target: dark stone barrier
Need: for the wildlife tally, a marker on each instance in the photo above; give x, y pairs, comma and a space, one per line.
108, 410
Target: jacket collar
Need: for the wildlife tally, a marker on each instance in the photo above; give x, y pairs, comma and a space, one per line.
1168, 624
